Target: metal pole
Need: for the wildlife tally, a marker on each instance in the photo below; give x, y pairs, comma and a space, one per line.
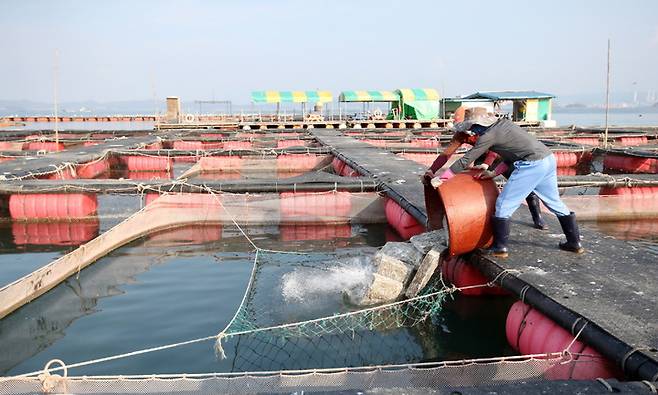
607, 99
55, 97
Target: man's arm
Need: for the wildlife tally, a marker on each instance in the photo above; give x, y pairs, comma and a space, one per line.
483, 143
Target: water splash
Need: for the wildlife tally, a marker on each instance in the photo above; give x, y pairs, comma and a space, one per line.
307, 284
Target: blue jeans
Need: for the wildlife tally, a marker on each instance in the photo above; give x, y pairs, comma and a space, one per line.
540, 177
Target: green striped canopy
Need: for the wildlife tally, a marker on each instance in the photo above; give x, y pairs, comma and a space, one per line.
416, 94
364, 96
291, 96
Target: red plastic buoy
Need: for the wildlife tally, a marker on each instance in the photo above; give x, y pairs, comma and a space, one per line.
530, 332
468, 204
461, 274
332, 207
54, 233
403, 222
55, 205
147, 163
45, 146
565, 158
291, 143
338, 165
633, 140
631, 164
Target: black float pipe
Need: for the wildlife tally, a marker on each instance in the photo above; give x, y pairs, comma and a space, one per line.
634, 363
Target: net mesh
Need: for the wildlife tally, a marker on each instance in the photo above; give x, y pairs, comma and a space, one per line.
427, 376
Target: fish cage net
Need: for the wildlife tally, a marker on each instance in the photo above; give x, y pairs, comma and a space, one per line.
426, 376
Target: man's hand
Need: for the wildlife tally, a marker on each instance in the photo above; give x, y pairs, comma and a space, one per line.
426, 178
485, 175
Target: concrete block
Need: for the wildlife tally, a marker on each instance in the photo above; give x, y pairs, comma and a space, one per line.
436, 239
381, 290
397, 261
425, 271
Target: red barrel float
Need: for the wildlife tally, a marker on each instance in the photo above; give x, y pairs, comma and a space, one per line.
311, 206
468, 204
147, 163
338, 165
403, 222
565, 158
530, 332
11, 145
93, 169
631, 164
291, 143
54, 205
54, 233
462, 274
633, 140
45, 146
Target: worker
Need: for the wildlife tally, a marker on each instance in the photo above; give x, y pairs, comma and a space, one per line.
533, 170
460, 138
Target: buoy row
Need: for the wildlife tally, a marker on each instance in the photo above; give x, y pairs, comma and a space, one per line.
565, 158
630, 164
322, 207
284, 163
633, 140
530, 332
49, 146
462, 274
187, 145
146, 163
403, 222
286, 207
52, 205
292, 143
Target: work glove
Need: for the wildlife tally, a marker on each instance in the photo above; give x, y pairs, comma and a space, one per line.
481, 166
445, 176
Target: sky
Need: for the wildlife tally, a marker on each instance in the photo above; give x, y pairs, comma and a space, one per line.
196, 49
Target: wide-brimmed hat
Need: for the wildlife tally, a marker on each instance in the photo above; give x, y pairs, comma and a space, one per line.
475, 116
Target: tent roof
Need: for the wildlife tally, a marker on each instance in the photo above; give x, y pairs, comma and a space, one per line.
368, 96
414, 94
291, 96
510, 95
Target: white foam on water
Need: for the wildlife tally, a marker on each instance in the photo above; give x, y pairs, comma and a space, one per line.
307, 284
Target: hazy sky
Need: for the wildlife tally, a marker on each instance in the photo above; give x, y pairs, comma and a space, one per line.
124, 50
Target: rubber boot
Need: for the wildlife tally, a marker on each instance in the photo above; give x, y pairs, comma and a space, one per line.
501, 234
535, 211
570, 229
